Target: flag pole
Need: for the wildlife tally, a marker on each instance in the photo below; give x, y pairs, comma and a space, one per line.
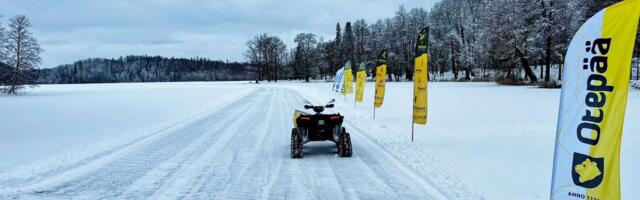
374, 112
412, 127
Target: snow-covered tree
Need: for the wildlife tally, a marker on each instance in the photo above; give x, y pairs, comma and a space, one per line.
306, 56
361, 34
147, 69
268, 53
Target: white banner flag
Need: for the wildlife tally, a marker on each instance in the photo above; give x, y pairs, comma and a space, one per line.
592, 106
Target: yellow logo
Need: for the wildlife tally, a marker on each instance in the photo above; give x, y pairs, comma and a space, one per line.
587, 170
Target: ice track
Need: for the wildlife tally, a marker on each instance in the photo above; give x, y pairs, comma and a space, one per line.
238, 151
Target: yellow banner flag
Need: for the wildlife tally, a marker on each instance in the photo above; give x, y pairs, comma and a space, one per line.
592, 105
361, 77
348, 79
381, 78
420, 78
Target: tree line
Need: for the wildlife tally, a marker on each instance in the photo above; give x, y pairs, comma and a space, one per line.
145, 69
504, 40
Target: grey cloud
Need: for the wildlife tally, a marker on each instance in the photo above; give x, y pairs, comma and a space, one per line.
76, 29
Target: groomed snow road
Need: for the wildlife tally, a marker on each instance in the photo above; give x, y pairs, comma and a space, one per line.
237, 151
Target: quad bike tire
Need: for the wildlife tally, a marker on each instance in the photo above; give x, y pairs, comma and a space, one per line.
296, 144
344, 144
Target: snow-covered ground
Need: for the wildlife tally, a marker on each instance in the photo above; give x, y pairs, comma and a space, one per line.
231, 140
497, 139
53, 118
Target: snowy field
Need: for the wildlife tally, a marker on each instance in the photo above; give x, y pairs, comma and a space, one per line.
231, 140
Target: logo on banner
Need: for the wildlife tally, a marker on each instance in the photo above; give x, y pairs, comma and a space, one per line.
587, 171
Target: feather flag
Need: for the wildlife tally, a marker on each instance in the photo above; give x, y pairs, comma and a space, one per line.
420, 78
361, 77
592, 105
381, 78
338, 81
348, 79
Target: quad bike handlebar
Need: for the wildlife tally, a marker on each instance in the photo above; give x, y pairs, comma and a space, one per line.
318, 109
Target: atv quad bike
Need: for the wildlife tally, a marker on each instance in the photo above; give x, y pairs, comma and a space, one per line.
319, 127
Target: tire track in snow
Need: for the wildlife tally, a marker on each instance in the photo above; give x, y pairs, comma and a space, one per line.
255, 173
111, 179
270, 191
283, 180
422, 183
39, 178
247, 159
168, 170
223, 160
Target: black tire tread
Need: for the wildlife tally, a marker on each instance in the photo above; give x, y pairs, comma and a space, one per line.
344, 145
296, 144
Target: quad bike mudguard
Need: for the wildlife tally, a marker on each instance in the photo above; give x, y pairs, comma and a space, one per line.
320, 127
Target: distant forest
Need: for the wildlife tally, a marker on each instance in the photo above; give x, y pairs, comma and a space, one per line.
145, 69
470, 40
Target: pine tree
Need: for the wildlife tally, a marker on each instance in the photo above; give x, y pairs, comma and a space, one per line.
347, 45
337, 53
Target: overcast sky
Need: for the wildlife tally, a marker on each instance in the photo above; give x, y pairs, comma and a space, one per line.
70, 30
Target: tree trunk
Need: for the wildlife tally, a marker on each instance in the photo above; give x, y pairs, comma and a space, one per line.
525, 65
547, 77
636, 58
408, 68
541, 70
637, 68
14, 83
467, 73
560, 69
306, 74
275, 72
453, 63
465, 46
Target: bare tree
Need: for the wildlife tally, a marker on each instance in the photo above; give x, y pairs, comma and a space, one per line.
22, 55
268, 53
